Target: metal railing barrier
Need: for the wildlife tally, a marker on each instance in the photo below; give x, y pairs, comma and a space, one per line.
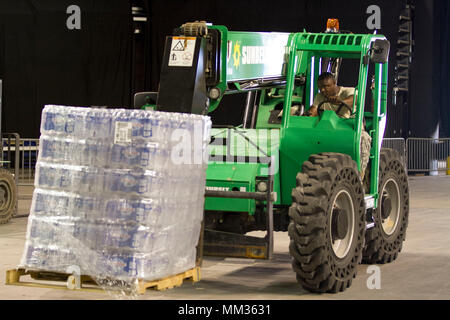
428, 155
19, 156
397, 144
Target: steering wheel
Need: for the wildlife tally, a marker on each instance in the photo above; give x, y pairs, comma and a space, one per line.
320, 109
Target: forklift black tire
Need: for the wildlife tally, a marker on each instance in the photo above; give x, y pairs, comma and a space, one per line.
385, 240
327, 223
8, 196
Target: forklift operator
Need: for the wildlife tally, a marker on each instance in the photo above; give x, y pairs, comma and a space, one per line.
332, 96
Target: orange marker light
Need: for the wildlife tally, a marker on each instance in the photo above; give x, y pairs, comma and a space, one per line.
332, 25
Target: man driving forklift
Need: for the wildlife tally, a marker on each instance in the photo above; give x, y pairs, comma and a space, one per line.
340, 100
332, 97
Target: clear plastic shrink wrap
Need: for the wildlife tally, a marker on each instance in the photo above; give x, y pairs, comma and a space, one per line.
118, 193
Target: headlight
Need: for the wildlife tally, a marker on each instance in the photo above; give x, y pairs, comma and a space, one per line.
214, 93
262, 186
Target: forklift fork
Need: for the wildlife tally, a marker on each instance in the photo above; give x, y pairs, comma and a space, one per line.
228, 244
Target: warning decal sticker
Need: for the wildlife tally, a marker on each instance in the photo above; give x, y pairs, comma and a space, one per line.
182, 52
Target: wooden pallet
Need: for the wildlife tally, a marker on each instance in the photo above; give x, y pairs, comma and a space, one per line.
192, 275
86, 283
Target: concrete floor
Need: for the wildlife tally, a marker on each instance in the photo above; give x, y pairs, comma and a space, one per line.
420, 272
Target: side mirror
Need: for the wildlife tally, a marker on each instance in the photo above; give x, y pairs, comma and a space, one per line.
143, 98
379, 51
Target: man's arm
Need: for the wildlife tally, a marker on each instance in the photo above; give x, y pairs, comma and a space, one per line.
313, 111
348, 101
334, 100
313, 108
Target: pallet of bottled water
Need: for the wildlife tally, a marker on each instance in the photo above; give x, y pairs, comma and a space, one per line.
118, 193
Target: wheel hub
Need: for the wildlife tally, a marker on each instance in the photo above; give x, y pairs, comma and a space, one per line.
342, 221
339, 226
386, 207
390, 206
4, 196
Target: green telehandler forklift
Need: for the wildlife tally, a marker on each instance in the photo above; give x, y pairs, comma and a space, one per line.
281, 170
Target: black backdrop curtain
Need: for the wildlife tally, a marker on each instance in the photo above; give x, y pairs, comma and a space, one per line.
444, 83
43, 62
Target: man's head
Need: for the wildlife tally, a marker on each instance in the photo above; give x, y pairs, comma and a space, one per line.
327, 85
